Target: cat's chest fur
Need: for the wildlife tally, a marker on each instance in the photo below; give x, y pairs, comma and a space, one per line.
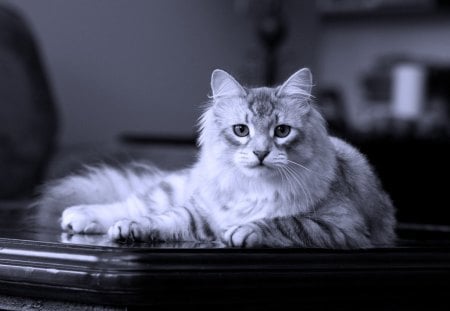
238, 206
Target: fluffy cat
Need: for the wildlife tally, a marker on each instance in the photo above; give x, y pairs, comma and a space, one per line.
268, 174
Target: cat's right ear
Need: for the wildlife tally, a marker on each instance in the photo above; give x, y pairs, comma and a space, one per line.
299, 84
224, 85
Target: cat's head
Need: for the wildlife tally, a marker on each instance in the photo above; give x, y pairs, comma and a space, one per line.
261, 131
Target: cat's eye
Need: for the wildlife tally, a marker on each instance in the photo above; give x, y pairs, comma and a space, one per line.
241, 130
282, 131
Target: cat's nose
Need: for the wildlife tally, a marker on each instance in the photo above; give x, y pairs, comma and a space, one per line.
261, 154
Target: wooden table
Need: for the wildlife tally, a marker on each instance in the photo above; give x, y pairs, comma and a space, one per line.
49, 270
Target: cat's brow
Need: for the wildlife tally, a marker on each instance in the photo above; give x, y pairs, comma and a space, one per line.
260, 103
261, 109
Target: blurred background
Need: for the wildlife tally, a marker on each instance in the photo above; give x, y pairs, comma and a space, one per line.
108, 80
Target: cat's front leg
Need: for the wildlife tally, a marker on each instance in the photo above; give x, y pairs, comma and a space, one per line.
335, 229
98, 218
246, 235
143, 229
302, 230
81, 219
89, 219
177, 224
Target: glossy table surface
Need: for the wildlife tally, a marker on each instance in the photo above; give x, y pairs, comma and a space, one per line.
54, 265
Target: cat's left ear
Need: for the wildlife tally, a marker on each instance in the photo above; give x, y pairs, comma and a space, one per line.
299, 84
223, 84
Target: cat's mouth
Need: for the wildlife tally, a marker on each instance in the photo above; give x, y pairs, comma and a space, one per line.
259, 166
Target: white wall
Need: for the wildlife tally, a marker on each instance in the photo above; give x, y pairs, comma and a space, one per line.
141, 65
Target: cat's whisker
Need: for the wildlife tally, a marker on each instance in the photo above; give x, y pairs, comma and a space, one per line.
302, 182
302, 166
291, 182
308, 196
294, 177
283, 176
296, 182
309, 170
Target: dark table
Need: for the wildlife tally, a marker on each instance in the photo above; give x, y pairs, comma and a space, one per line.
54, 271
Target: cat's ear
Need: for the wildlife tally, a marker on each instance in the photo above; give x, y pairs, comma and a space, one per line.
223, 84
299, 84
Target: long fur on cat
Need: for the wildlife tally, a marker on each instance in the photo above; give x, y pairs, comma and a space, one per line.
268, 174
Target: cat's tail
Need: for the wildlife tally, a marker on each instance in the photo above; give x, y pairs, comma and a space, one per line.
99, 184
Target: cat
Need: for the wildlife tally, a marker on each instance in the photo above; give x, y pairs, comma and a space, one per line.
267, 175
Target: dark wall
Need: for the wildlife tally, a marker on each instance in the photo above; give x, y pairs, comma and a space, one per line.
141, 65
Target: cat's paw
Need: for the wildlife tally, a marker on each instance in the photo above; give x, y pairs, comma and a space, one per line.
242, 236
126, 229
81, 219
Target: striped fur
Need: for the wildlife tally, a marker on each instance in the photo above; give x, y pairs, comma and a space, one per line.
308, 190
